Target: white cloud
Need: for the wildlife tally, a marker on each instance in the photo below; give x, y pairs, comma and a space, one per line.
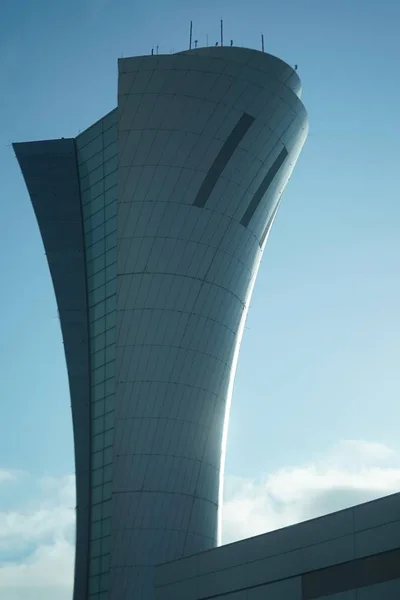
36, 541
352, 472
46, 574
53, 517
7, 475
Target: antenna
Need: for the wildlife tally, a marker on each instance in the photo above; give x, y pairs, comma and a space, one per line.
195, 43
262, 42
222, 32
207, 40
152, 51
157, 50
190, 35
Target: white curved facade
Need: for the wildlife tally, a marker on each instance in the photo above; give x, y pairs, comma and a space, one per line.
177, 191
186, 267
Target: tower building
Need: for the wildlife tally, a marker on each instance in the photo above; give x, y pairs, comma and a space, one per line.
154, 221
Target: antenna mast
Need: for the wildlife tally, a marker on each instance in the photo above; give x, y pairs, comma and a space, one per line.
222, 32
190, 35
262, 42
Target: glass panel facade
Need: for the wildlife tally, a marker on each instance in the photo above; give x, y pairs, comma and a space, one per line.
97, 158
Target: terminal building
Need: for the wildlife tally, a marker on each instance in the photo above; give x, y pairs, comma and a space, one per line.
353, 554
154, 221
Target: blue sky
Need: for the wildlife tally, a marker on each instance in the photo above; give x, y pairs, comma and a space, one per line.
319, 360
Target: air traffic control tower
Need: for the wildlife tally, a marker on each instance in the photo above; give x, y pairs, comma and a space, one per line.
154, 221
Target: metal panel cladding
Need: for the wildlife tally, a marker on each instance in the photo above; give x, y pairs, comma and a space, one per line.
206, 143
154, 221
51, 175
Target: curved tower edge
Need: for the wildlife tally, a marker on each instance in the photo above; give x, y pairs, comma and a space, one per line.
50, 172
